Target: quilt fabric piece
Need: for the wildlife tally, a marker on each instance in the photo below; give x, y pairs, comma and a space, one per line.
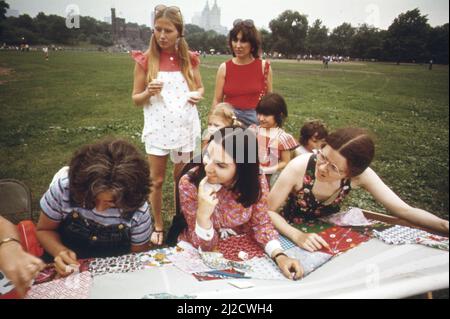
263, 268
400, 235
49, 273
313, 226
341, 239
219, 274
155, 258
286, 243
120, 264
309, 261
187, 259
76, 286
232, 246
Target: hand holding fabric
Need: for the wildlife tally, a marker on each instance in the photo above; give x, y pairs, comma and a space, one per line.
66, 262
310, 241
19, 267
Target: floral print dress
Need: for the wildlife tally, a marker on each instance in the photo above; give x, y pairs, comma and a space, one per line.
302, 204
228, 214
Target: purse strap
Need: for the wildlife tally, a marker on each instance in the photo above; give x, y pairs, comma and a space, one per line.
266, 75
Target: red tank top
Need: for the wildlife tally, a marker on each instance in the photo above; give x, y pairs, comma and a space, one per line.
243, 84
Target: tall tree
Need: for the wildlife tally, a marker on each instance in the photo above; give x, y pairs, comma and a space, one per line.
367, 43
317, 39
267, 40
289, 31
407, 37
438, 44
3, 9
341, 39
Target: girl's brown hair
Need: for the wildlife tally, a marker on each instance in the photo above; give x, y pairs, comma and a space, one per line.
356, 145
313, 128
273, 104
110, 165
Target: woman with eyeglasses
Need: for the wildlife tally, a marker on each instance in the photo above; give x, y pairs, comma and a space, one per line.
245, 78
167, 85
316, 184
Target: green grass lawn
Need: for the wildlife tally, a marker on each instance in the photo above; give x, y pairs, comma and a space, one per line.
50, 108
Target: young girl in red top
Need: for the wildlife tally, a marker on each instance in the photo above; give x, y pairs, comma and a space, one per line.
168, 85
242, 80
274, 144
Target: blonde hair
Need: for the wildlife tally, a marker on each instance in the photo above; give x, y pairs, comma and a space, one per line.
182, 49
226, 113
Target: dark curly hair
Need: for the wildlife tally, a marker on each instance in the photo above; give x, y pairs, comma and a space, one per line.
249, 34
313, 128
110, 165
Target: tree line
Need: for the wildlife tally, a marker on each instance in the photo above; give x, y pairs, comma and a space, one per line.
51, 29
409, 38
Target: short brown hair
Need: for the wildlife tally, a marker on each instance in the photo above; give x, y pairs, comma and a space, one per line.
356, 145
313, 128
249, 34
111, 165
273, 104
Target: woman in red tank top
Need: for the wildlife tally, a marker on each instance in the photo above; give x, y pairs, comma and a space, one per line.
244, 79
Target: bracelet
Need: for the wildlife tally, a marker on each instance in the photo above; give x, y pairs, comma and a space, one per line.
278, 255
8, 240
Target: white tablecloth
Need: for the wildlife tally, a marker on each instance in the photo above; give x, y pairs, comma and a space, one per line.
371, 270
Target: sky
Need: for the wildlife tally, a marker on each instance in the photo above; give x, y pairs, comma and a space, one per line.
379, 13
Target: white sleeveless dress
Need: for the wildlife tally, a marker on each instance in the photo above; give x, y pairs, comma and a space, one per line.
170, 121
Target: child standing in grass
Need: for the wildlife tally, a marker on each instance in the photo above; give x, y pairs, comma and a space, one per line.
274, 144
168, 85
312, 136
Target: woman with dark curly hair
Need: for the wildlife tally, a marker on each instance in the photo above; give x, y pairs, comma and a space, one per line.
97, 206
245, 78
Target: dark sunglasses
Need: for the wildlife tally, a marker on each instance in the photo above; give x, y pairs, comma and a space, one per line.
248, 23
